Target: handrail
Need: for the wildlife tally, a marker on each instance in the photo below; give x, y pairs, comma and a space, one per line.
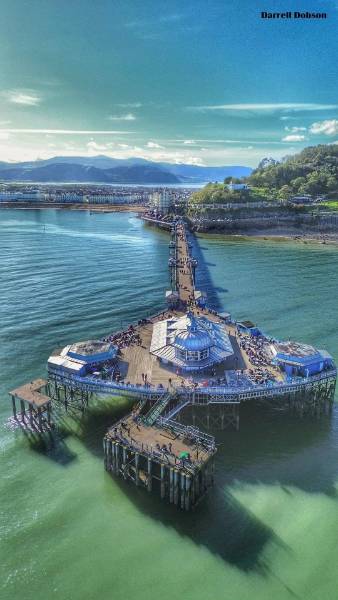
253, 391
187, 430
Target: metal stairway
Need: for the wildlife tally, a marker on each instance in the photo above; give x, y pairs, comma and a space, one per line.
158, 408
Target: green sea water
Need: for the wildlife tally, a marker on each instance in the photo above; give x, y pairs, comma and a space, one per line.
269, 527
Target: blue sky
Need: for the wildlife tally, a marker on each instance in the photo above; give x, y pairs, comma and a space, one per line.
205, 82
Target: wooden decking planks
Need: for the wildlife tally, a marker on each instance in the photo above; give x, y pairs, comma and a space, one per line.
138, 434
30, 393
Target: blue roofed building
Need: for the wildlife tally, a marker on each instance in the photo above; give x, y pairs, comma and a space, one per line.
190, 343
302, 360
81, 357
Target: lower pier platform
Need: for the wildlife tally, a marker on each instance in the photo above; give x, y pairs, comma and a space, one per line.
170, 459
35, 406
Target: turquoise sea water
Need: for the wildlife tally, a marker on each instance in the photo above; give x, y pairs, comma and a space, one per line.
268, 529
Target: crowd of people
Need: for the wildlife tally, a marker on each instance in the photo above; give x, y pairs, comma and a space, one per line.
254, 347
256, 350
124, 434
125, 338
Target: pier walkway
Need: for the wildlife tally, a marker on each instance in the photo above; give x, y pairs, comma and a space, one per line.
184, 267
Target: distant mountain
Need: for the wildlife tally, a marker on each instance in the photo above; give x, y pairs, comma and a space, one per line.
198, 174
103, 169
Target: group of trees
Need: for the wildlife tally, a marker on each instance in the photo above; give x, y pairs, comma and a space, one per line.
218, 193
313, 171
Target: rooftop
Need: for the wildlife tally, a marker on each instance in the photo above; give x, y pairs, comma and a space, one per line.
90, 347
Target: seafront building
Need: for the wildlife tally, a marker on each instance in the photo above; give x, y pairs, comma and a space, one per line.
21, 196
236, 187
161, 201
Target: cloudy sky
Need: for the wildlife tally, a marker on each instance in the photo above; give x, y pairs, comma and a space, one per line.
196, 81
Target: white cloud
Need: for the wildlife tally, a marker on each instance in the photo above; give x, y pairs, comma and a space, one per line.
23, 97
127, 117
130, 105
329, 127
169, 18
267, 107
95, 147
295, 129
19, 148
153, 145
293, 137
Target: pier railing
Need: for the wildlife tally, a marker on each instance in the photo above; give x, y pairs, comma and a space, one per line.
217, 393
195, 434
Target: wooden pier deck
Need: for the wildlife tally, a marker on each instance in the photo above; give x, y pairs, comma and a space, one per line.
184, 278
151, 439
177, 464
31, 393
35, 406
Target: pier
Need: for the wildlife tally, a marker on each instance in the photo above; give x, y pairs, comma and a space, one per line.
186, 367
35, 405
169, 459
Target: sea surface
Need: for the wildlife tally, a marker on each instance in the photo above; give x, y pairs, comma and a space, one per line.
269, 527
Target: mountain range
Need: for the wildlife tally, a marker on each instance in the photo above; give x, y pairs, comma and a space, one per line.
103, 169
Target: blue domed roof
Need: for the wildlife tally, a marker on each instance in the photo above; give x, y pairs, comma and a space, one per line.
194, 338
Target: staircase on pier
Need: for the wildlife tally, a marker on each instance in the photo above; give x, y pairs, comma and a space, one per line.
159, 407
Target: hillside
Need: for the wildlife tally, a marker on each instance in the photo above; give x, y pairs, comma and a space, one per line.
313, 171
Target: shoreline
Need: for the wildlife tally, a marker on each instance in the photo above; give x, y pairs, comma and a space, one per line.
301, 237
269, 234
93, 208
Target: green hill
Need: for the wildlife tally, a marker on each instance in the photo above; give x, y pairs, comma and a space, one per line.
313, 171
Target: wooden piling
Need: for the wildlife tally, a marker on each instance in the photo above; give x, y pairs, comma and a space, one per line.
176, 490
150, 481
187, 492
171, 485
137, 459
162, 481
124, 461
40, 419
23, 410
117, 458
182, 490
49, 414
14, 406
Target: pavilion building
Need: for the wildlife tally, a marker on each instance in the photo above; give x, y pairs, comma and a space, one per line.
190, 343
302, 360
80, 358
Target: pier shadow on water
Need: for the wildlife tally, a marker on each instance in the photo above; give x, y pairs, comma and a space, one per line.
203, 277
52, 443
272, 448
89, 427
